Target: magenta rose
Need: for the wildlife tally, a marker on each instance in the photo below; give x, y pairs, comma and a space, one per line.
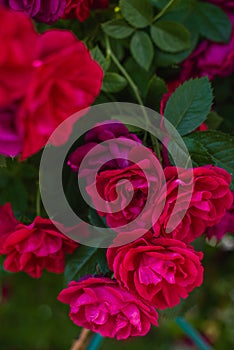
160, 271
10, 138
47, 11
17, 35
99, 159
101, 305
211, 59
64, 71
126, 191
32, 248
226, 225
211, 198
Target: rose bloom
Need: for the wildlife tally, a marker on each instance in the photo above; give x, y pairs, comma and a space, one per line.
226, 225
211, 59
66, 80
101, 305
99, 159
17, 36
160, 271
10, 138
43, 11
211, 197
32, 248
126, 191
81, 8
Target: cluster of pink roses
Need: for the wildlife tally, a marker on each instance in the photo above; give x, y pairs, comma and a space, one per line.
43, 80
158, 269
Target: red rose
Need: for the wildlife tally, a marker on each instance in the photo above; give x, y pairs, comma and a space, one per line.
81, 8
101, 305
17, 36
211, 198
126, 191
66, 80
160, 271
32, 248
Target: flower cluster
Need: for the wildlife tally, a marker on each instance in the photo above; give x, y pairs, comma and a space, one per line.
60, 66
137, 192
50, 11
158, 269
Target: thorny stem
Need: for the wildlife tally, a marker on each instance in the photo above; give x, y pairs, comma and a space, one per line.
81, 342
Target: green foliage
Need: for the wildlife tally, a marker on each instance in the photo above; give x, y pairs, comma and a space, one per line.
212, 147
100, 58
189, 105
137, 12
142, 49
113, 82
2, 161
117, 29
213, 23
170, 36
86, 261
156, 89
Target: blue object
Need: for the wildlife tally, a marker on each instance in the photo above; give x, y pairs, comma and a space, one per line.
193, 334
95, 342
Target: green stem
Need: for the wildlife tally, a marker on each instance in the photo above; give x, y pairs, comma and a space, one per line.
161, 13
111, 55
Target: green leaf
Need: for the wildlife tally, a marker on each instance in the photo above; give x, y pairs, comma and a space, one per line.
219, 149
156, 89
178, 11
113, 82
137, 12
213, 23
86, 261
2, 161
213, 121
117, 29
189, 105
142, 49
100, 58
170, 36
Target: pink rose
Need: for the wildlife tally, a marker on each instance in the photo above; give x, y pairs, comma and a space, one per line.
211, 59
126, 191
17, 35
32, 248
211, 198
226, 225
160, 271
64, 71
101, 305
